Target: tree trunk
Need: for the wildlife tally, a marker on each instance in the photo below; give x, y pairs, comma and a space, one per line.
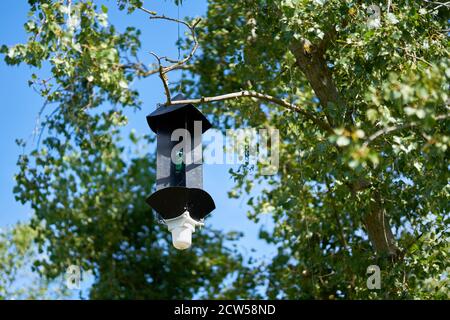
310, 59
379, 229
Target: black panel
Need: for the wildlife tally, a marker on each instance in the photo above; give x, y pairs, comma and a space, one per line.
171, 202
177, 116
179, 185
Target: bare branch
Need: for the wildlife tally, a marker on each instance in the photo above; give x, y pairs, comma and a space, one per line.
191, 27
153, 13
260, 96
143, 71
176, 64
163, 77
181, 64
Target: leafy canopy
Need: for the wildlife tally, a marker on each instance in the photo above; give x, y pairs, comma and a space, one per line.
86, 188
372, 190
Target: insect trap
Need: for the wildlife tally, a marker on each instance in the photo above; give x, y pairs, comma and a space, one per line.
179, 198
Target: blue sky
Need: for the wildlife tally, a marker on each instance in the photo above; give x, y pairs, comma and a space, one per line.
20, 105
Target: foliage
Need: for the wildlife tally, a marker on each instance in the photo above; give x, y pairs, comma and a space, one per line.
87, 191
374, 190
392, 82
17, 252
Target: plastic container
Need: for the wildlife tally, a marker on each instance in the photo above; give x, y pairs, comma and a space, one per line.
182, 228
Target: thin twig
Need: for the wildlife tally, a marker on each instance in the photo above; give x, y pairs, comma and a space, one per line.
44, 125
388, 130
163, 77
415, 57
179, 64
341, 235
176, 64
438, 5
142, 70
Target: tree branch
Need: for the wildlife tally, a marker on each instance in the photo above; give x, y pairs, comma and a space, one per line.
143, 71
310, 59
388, 130
180, 64
389, 5
378, 227
163, 77
177, 64
334, 210
438, 4
260, 96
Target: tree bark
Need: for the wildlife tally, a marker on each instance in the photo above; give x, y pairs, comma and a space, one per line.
310, 59
379, 229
